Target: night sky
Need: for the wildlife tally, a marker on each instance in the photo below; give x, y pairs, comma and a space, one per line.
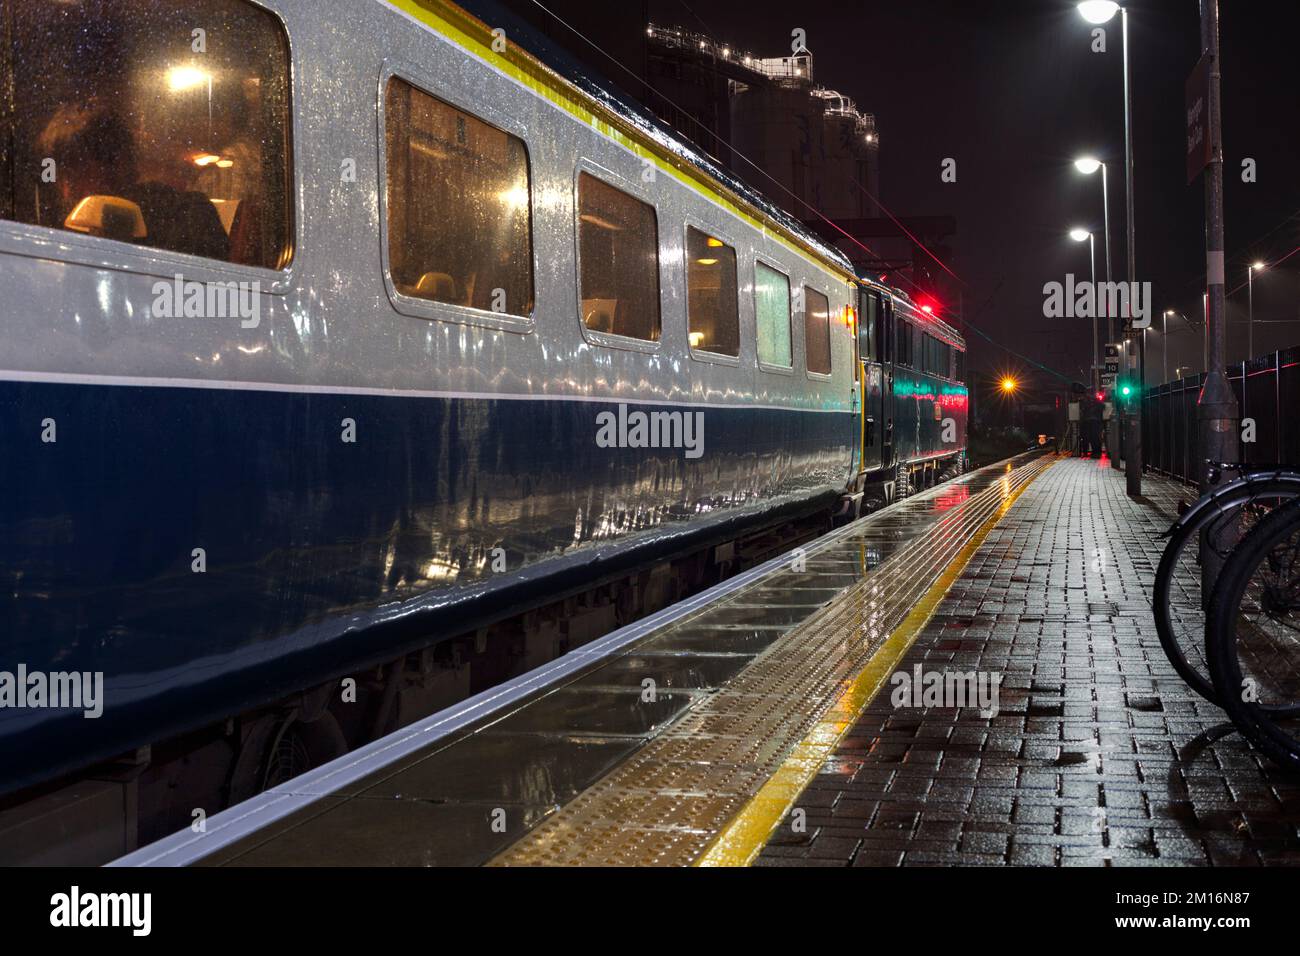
1013, 92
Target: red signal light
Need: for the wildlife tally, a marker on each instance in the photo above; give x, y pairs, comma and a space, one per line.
1101, 396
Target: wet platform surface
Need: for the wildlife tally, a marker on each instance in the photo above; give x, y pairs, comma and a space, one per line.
1099, 753
645, 756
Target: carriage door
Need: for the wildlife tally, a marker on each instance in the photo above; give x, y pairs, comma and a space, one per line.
870, 350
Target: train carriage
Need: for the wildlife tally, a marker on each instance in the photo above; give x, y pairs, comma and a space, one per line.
914, 401
326, 336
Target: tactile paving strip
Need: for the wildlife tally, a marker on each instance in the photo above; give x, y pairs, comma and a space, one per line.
665, 803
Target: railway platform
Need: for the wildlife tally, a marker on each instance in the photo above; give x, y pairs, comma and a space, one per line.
793, 716
1099, 753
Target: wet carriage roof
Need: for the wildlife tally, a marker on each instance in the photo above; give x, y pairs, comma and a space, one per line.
931, 323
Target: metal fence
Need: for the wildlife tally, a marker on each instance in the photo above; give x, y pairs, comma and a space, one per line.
1268, 392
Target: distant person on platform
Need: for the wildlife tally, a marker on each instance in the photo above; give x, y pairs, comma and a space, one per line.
1092, 412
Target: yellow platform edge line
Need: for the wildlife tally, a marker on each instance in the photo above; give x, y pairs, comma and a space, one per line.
745, 835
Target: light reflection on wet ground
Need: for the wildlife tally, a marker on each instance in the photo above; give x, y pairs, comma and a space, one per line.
463, 800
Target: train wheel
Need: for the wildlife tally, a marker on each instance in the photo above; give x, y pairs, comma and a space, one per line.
299, 746
287, 759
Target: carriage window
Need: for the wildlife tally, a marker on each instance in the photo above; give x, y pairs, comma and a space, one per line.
817, 331
618, 261
903, 340
772, 308
121, 123
959, 373
712, 307
459, 228
868, 344
882, 342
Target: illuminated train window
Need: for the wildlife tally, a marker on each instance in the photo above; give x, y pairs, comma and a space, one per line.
772, 309
459, 207
119, 127
712, 302
817, 331
618, 261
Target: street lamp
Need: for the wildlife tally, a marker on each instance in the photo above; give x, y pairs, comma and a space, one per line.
1078, 234
1250, 307
1098, 12
1089, 165
1008, 386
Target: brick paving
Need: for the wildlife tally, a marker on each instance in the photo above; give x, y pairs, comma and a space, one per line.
1099, 754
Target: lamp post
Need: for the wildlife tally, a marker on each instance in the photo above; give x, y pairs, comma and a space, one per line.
1217, 411
1078, 235
1099, 12
1089, 165
1250, 307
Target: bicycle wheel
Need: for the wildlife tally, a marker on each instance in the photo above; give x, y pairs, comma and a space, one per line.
1179, 602
1253, 636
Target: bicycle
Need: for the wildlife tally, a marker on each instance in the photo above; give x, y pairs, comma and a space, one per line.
1253, 636
1216, 522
